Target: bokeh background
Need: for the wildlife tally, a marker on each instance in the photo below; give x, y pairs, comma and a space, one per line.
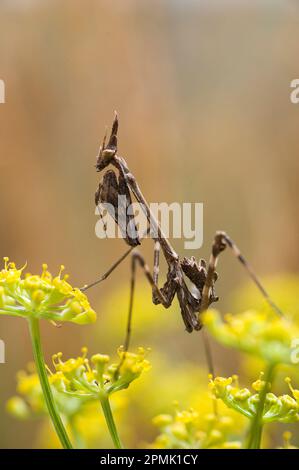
202, 90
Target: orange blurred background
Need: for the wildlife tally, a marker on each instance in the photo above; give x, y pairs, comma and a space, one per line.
202, 90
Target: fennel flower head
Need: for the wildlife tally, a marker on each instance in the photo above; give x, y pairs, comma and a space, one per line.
284, 408
185, 429
42, 296
30, 402
89, 378
260, 333
80, 414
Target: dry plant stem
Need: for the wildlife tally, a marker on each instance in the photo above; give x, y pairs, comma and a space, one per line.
256, 428
43, 377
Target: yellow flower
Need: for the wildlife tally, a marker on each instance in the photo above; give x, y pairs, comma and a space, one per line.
30, 401
187, 430
81, 414
263, 334
86, 378
282, 408
42, 296
18, 407
294, 391
287, 436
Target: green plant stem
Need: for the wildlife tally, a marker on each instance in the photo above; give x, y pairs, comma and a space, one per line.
77, 438
110, 421
256, 428
43, 377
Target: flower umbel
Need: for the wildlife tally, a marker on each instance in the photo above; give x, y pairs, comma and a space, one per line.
30, 402
95, 379
77, 383
83, 378
83, 424
42, 296
184, 430
284, 408
262, 334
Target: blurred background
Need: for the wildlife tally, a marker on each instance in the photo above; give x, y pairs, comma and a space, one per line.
202, 90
